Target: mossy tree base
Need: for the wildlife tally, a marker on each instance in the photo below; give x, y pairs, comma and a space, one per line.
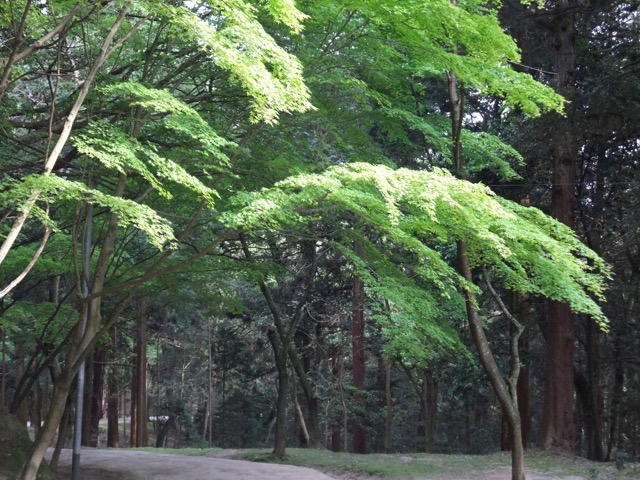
15, 442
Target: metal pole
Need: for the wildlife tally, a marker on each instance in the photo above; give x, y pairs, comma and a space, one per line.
86, 272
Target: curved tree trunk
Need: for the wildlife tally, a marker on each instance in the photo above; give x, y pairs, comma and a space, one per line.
506, 394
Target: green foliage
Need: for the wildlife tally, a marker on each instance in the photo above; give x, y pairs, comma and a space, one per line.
286, 12
31, 318
440, 37
239, 44
416, 324
55, 189
420, 212
180, 120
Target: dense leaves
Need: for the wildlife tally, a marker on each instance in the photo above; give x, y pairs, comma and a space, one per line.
246, 160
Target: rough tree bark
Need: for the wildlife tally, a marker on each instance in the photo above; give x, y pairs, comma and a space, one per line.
388, 424
113, 429
139, 414
557, 429
358, 372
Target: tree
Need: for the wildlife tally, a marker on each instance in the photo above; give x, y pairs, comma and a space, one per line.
122, 146
167, 147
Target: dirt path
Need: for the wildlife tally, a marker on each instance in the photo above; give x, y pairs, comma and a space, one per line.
112, 464
125, 464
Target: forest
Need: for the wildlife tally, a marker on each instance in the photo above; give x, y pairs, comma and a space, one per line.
354, 225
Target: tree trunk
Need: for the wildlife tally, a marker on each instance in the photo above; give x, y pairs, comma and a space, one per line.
508, 401
3, 384
357, 332
36, 413
523, 387
430, 409
97, 389
388, 424
506, 394
87, 403
211, 400
58, 402
141, 371
280, 356
164, 431
595, 442
139, 415
113, 395
311, 397
557, 428
63, 433
133, 430
335, 443
19, 406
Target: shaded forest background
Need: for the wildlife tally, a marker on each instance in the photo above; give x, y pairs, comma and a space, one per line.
210, 322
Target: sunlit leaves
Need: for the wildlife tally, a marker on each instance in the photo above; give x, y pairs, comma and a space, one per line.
237, 42
423, 212
55, 189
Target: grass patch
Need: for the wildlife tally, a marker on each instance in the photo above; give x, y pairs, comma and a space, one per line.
190, 452
408, 466
424, 466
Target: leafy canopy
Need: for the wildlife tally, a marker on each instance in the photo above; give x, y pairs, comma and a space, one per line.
425, 213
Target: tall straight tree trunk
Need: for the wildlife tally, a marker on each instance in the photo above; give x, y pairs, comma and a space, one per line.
619, 379
139, 416
429, 408
557, 429
141, 371
388, 424
358, 372
335, 441
97, 389
36, 414
113, 395
19, 406
87, 404
211, 389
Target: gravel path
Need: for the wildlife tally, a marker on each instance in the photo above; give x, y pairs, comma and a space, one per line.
121, 464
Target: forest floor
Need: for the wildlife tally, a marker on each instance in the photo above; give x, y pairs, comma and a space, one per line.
126, 464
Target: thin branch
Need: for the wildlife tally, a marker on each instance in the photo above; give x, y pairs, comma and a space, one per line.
498, 299
515, 338
36, 255
66, 131
17, 56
